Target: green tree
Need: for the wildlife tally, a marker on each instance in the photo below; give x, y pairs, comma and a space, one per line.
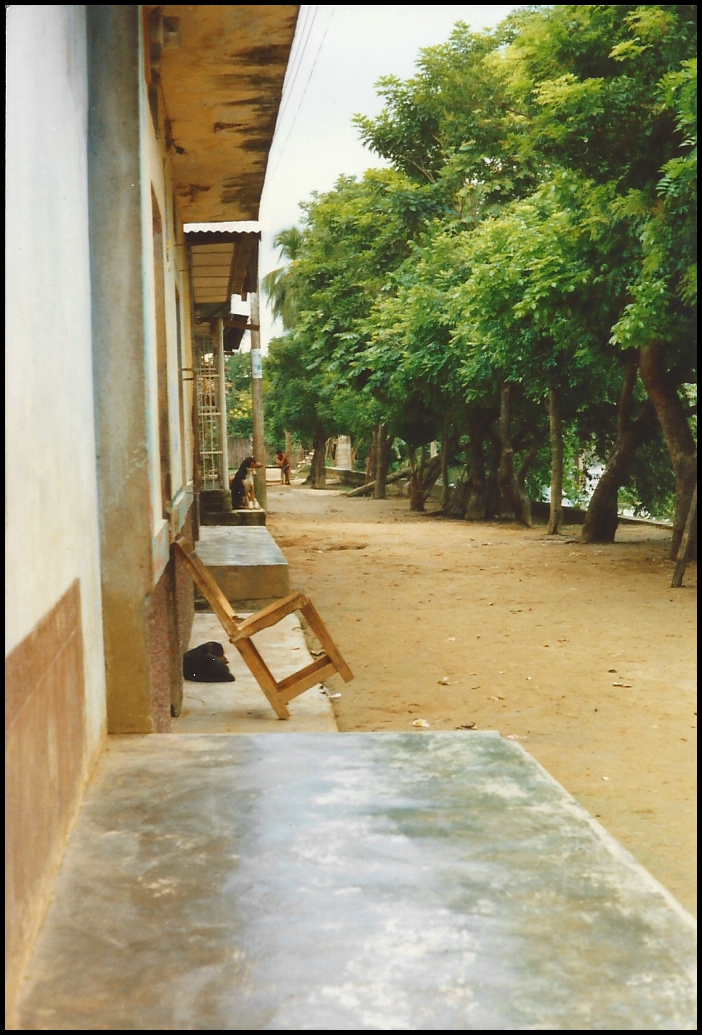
299, 398
614, 87
239, 407
603, 95
533, 244
352, 237
276, 284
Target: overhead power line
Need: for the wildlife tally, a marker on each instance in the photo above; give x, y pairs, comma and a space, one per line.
302, 38
304, 92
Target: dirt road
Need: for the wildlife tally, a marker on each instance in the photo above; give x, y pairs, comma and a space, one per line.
583, 653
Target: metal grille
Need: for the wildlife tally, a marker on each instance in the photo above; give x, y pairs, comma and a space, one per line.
209, 415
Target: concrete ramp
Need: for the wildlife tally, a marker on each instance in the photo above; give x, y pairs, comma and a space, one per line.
424, 881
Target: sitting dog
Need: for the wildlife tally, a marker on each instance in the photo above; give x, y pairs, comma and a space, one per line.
242, 486
207, 664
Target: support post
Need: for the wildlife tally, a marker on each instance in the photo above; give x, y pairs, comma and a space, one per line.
259, 444
219, 346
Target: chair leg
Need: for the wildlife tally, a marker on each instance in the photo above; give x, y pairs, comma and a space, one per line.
262, 675
321, 632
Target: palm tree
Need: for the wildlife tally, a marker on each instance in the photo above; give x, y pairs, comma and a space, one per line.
276, 284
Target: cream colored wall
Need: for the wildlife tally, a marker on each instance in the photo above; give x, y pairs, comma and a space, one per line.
51, 516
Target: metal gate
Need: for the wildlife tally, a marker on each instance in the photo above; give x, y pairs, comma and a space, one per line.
207, 378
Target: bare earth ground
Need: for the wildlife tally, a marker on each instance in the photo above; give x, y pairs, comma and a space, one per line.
583, 653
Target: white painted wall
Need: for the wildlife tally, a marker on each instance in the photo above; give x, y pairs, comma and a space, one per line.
50, 483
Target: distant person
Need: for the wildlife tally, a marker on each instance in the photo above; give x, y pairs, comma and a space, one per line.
283, 463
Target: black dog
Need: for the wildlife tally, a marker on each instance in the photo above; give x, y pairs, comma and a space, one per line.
207, 664
242, 485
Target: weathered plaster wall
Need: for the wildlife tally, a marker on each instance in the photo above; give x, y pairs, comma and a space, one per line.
157, 180
55, 685
134, 302
50, 486
170, 621
121, 386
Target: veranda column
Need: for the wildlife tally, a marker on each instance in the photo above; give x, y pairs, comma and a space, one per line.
259, 444
219, 346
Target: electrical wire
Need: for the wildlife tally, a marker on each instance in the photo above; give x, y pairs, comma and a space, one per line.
291, 76
314, 65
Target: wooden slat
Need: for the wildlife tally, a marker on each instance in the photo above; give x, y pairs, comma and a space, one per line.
223, 247
308, 676
240, 262
320, 630
220, 605
270, 615
221, 259
263, 676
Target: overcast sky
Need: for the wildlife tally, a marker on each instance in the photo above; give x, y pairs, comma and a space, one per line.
338, 55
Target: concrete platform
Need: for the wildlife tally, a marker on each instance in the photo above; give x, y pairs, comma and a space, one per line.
241, 707
359, 882
245, 562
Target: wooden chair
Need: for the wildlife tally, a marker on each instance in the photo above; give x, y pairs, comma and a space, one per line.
240, 630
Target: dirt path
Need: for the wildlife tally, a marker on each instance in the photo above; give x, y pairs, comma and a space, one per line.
583, 653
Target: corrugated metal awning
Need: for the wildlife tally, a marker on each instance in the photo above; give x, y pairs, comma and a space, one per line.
223, 263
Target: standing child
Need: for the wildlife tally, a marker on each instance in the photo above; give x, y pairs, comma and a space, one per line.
283, 463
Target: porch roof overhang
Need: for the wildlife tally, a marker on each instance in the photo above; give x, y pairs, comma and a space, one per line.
220, 68
223, 263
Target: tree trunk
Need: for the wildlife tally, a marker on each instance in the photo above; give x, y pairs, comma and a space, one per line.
288, 446
663, 394
477, 497
416, 493
430, 474
528, 459
318, 472
372, 458
367, 489
458, 499
555, 514
601, 519
581, 478
516, 498
384, 444
446, 492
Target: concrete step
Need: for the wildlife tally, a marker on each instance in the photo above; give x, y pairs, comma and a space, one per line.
246, 563
233, 517
358, 882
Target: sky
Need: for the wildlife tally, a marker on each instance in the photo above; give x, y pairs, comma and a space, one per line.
339, 53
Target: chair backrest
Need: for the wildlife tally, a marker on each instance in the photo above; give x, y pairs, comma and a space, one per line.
206, 583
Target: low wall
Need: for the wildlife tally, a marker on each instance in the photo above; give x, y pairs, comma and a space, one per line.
345, 477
